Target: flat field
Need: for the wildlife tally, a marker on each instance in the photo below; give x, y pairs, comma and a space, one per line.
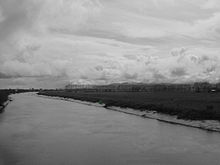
186, 105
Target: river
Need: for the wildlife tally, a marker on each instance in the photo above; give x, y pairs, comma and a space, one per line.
43, 131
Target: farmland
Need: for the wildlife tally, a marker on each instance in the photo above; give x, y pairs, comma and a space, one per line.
185, 105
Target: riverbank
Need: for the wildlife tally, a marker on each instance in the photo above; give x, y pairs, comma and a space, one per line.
4, 99
2, 107
209, 125
184, 105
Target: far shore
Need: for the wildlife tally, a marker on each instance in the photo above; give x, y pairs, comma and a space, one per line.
5, 93
4, 99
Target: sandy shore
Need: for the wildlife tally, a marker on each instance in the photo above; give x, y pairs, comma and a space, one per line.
208, 125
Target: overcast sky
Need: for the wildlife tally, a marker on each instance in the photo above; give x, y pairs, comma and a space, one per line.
49, 43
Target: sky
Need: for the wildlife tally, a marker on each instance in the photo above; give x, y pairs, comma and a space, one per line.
50, 43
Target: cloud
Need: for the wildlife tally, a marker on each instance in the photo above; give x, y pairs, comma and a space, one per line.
3, 76
101, 41
16, 16
207, 29
129, 76
210, 4
178, 72
159, 77
178, 51
68, 16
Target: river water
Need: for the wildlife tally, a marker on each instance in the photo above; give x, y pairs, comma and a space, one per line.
43, 131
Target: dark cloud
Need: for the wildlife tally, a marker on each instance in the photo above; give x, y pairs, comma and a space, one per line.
203, 59
15, 16
84, 77
130, 56
99, 68
179, 51
130, 76
4, 76
210, 69
158, 77
103, 76
178, 72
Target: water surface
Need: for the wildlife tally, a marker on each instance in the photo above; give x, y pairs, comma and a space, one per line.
40, 131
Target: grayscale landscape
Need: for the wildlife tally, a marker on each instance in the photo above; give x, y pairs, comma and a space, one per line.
109, 82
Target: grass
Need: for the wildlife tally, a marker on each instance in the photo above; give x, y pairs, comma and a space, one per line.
186, 105
4, 96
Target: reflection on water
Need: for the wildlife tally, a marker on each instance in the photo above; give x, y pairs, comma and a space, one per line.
42, 131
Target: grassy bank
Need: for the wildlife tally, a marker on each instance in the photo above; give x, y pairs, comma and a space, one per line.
4, 96
186, 105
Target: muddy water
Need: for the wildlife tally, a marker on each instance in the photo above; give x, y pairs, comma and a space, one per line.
41, 131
